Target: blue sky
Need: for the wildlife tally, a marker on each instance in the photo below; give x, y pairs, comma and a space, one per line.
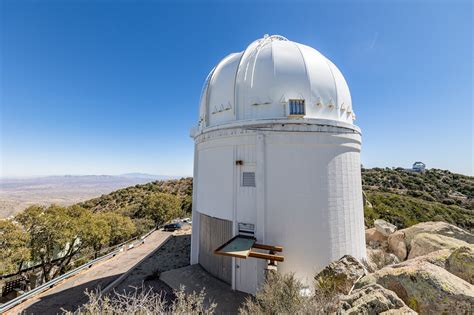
110, 87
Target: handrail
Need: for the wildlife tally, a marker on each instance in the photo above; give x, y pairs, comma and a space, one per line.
10, 304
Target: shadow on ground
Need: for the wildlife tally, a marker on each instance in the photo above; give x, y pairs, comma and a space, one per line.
171, 260
69, 299
172, 254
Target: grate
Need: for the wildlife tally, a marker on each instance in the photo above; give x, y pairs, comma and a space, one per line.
248, 179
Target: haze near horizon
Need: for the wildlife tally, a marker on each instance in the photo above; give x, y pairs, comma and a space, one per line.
102, 87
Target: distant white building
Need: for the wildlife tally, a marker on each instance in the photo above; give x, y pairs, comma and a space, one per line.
277, 159
418, 167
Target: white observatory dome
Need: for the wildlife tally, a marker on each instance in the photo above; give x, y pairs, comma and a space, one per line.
267, 78
277, 170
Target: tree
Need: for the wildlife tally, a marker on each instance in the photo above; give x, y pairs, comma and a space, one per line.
50, 229
97, 234
57, 234
162, 207
187, 204
143, 225
14, 247
121, 227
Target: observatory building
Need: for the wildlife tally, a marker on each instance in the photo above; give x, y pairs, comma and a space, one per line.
276, 166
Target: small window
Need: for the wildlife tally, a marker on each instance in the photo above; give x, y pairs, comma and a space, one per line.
297, 107
248, 179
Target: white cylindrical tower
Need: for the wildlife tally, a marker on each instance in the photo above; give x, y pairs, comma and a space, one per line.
276, 152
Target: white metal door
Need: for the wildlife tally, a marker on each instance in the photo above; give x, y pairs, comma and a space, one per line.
246, 269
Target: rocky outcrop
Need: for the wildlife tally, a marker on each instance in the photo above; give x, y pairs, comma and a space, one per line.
379, 258
446, 236
373, 299
425, 243
340, 275
397, 245
384, 228
401, 311
375, 239
440, 228
437, 258
461, 263
425, 287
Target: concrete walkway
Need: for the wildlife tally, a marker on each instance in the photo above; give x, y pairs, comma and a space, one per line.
194, 278
69, 295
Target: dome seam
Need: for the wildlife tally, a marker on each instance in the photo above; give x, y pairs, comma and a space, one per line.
235, 83
335, 85
305, 69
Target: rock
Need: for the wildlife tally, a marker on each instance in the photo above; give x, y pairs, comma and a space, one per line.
399, 242
384, 227
379, 258
375, 239
440, 228
397, 245
401, 311
461, 263
373, 299
341, 274
425, 243
424, 287
437, 258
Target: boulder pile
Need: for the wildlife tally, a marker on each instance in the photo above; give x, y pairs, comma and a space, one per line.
427, 268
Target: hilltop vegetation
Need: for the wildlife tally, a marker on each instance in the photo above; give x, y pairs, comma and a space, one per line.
149, 204
54, 236
397, 196
404, 198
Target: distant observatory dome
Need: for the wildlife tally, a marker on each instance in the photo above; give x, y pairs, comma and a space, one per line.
259, 82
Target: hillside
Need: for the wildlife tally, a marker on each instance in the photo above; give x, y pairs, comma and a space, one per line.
17, 194
147, 204
395, 195
405, 198
132, 198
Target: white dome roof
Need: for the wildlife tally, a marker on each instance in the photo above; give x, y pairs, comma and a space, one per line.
264, 81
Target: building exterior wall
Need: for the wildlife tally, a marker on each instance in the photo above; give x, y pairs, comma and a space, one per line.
308, 194
314, 200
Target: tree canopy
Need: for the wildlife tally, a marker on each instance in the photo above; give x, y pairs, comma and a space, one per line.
13, 245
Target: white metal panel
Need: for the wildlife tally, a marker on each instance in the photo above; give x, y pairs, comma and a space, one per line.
215, 182
323, 87
246, 198
246, 275
344, 102
221, 92
246, 269
258, 91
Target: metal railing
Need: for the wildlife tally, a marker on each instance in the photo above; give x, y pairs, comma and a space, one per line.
45, 286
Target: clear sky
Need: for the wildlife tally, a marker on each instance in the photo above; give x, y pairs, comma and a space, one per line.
110, 87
